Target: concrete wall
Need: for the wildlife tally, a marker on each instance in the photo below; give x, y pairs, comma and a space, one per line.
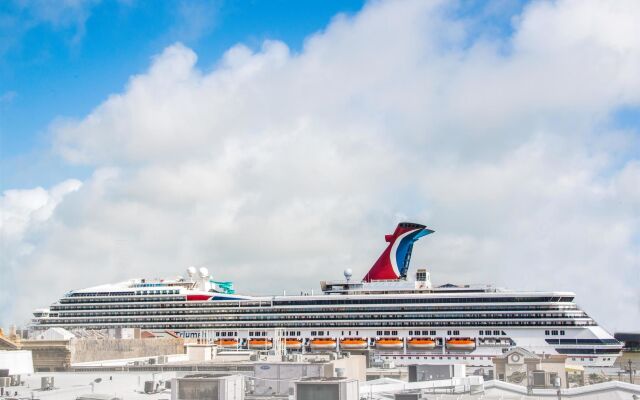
355, 366
84, 350
200, 352
49, 355
601, 391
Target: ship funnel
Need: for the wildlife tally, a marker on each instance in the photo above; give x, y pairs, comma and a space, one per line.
394, 260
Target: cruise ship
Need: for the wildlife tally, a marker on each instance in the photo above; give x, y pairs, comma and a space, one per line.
393, 311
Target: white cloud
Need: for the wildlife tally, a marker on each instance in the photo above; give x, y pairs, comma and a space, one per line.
278, 169
22, 209
23, 213
60, 15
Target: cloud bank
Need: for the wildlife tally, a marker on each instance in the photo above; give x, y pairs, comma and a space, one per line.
278, 169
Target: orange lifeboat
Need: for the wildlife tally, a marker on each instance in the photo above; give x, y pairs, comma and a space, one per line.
227, 343
389, 343
353, 344
461, 344
323, 344
421, 343
292, 343
260, 344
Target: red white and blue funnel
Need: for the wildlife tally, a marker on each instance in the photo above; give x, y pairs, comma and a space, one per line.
394, 260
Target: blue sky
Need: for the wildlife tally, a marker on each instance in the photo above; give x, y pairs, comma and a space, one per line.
56, 66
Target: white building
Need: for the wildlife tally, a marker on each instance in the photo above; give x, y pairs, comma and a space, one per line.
55, 334
18, 362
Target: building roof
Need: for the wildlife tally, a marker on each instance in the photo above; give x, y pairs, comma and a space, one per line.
524, 352
6, 344
56, 334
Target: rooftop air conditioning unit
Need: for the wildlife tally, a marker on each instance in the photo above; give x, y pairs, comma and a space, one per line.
46, 383
335, 389
229, 387
407, 396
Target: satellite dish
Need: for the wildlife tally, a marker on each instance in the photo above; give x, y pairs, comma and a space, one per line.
348, 273
191, 271
204, 272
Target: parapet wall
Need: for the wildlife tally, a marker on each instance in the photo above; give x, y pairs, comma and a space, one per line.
85, 350
49, 355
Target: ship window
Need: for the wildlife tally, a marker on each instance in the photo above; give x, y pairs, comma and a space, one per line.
554, 332
433, 332
448, 332
546, 332
561, 333
496, 332
387, 332
456, 332
394, 332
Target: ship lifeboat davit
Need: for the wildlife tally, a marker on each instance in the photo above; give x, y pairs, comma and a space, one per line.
292, 343
389, 343
260, 344
323, 344
461, 344
421, 343
353, 344
227, 343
